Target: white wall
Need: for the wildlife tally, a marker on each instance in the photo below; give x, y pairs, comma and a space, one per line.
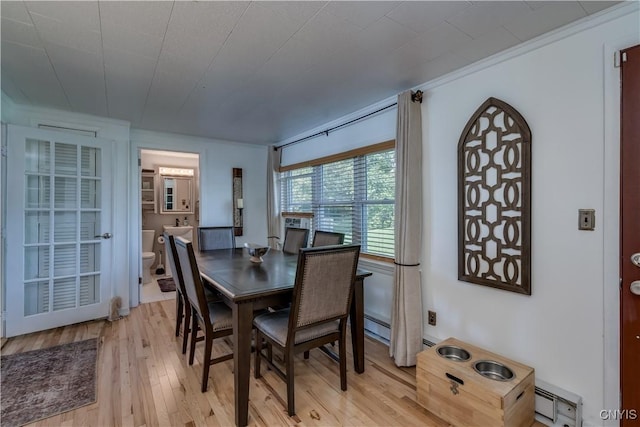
558, 84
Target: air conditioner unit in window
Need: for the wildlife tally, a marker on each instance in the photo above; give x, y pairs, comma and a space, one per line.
295, 222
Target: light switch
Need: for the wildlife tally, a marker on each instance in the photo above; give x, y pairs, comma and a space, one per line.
586, 219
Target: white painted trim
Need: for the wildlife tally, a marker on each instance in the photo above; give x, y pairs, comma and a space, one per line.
374, 266
64, 126
31, 116
568, 30
77, 117
611, 243
135, 225
3, 225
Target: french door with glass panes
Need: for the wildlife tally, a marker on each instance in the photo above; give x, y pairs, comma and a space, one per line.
58, 220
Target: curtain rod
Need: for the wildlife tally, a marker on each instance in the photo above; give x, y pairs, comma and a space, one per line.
415, 97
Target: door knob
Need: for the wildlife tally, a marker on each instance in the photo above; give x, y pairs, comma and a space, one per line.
635, 287
635, 259
104, 236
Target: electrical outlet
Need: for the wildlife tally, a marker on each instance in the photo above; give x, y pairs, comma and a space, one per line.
432, 318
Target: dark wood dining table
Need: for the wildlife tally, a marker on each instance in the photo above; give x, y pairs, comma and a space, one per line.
247, 287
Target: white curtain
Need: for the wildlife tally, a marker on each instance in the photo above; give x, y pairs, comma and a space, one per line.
406, 313
273, 197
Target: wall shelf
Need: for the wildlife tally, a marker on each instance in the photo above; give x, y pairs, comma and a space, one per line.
148, 192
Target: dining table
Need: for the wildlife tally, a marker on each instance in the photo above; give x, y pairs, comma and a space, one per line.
248, 287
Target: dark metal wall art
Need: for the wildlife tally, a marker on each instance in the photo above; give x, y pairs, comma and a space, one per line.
494, 199
238, 202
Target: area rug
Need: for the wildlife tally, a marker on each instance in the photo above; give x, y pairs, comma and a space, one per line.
42, 383
167, 285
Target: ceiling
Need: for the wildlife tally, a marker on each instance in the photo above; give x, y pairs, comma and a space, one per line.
256, 72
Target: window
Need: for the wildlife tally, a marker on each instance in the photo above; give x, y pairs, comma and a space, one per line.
352, 193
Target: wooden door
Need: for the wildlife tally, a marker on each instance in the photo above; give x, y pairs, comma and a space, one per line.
630, 237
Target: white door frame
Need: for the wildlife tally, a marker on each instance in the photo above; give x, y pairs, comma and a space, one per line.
15, 322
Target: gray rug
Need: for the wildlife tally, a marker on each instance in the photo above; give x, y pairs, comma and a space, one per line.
42, 383
167, 285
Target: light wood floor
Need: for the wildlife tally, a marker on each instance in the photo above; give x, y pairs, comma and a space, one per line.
144, 380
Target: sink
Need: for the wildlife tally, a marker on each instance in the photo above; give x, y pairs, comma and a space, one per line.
184, 231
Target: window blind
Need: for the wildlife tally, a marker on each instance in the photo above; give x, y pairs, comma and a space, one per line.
354, 196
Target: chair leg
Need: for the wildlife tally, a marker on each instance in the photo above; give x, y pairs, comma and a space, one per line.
206, 361
185, 332
256, 361
291, 404
179, 306
343, 360
306, 354
194, 333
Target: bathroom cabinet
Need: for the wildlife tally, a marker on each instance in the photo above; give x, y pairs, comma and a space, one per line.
148, 192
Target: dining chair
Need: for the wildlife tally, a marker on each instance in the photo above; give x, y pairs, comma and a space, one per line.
318, 314
213, 318
294, 239
210, 238
183, 308
327, 238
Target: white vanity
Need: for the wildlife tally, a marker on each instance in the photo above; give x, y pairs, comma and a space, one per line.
184, 231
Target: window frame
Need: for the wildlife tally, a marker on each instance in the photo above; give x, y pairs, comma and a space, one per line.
358, 155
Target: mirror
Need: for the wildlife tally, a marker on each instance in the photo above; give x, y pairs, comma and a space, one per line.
177, 194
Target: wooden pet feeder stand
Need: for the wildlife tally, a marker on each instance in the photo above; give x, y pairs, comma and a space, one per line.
469, 386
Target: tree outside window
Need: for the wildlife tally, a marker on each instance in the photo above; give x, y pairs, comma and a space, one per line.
354, 196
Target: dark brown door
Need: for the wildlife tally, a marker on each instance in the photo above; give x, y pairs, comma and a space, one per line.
630, 237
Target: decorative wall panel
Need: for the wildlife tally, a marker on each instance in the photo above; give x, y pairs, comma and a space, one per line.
494, 199
238, 203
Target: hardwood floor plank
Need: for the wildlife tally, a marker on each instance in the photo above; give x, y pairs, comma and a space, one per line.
145, 380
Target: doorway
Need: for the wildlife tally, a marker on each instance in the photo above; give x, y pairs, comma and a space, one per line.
630, 236
169, 197
61, 187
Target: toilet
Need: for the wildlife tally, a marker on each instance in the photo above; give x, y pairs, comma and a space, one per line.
148, 256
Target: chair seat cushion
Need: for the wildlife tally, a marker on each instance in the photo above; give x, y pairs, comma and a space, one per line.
276, 325
220, 316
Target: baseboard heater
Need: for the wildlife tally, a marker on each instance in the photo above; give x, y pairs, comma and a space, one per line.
554, 407
557, 407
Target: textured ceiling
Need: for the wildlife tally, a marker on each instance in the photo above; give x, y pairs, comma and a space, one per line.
256, 72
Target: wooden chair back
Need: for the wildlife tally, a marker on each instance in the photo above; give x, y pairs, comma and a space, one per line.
210, 238
325, 277
327, 238
295, 239
194, 288
172, 257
